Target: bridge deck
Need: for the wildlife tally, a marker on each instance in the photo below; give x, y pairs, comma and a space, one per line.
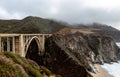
11, 35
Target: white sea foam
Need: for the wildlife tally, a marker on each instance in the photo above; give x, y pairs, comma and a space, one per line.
118, 44
113, 69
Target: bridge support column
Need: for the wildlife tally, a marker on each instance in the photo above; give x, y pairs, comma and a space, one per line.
43, 44
13, 44
21, 48
8, 44
0, 45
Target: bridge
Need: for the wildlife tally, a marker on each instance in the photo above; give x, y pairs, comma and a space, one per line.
23, 44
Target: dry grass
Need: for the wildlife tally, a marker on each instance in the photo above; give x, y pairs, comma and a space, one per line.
85, 31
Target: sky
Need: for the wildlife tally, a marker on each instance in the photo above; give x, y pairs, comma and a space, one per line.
70, 11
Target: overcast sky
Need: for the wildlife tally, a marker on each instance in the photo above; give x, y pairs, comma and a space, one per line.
71, 11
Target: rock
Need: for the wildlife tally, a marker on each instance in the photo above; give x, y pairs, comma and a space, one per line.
103, 47
73, 55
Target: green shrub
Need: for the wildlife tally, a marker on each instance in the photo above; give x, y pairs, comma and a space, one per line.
47, 71
33, 72
7, 69
12, 56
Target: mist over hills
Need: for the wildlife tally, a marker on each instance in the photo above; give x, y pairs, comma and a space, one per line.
33, 24
102, 29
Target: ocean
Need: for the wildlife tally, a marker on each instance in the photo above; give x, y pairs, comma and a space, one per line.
114, 68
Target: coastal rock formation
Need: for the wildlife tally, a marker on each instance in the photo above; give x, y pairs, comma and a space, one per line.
103, 47
73, 55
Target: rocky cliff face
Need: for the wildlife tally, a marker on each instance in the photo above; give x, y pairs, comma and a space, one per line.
73, 55
103, 47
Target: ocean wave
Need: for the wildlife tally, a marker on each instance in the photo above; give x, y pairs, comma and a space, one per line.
118, 44
113, 69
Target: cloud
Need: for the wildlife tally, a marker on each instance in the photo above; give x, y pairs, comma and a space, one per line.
71, 11
4, 14
27, 7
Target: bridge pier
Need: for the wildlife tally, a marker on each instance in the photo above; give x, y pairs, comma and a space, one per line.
0, 44
19, 43
13, 44
21, 46
8, 44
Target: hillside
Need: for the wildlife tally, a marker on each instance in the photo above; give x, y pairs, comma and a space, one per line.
39, 25
101, 29
15, 66
30, 25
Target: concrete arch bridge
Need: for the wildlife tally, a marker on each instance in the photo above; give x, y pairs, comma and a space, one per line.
23, 44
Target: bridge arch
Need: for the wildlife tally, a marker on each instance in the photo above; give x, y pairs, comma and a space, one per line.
33, 49
29, 42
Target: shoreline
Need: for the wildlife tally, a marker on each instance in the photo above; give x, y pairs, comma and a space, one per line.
101, 72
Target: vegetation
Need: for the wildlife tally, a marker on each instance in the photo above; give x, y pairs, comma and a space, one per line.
47, 71
16, 66
30, 25
11, 55
7, 69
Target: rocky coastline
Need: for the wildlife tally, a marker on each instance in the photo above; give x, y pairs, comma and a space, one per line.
75, 54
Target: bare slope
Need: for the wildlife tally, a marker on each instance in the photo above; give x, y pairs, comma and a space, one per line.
101, 29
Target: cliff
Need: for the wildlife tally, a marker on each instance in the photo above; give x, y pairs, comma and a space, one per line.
74, 54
